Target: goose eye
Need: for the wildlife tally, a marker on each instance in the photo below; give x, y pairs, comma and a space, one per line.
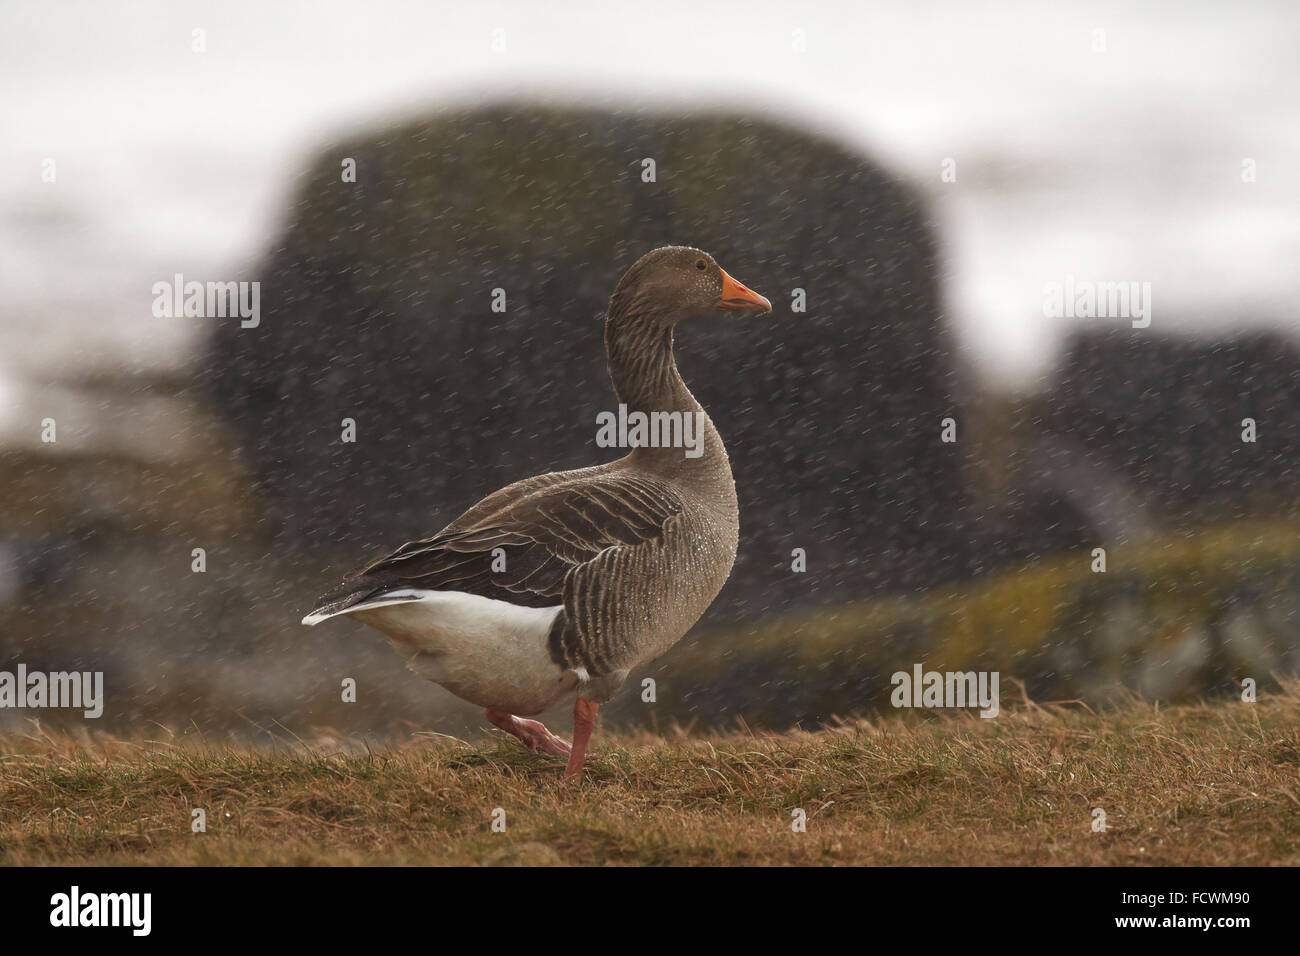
700, 265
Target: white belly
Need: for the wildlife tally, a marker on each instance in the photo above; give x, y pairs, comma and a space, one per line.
491, 653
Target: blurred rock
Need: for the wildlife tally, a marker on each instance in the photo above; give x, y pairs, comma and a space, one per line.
376, 307
1164, 415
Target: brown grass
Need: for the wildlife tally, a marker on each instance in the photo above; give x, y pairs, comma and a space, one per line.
1208, 784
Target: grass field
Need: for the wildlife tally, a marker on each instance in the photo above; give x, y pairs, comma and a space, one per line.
1211, 784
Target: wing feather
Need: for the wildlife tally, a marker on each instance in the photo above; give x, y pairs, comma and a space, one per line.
551, 531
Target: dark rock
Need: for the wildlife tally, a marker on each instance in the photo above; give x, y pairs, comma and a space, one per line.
376, 307
1165, 413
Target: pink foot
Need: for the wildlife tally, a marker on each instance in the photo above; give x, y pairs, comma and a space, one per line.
533, 733
584, 721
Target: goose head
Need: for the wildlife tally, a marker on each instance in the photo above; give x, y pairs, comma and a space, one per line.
673, 283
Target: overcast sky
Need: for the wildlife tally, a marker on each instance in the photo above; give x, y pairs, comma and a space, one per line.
1122, 164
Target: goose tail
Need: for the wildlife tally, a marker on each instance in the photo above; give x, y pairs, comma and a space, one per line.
363, 601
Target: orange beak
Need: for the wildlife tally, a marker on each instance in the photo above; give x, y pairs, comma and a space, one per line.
737, 298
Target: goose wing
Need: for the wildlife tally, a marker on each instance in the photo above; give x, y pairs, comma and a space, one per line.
526, 543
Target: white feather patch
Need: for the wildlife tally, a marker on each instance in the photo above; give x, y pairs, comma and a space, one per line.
489, 652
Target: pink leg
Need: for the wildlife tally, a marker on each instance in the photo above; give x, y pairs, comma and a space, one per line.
532, 732
584, 721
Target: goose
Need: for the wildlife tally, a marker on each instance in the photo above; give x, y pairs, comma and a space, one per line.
558, 586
